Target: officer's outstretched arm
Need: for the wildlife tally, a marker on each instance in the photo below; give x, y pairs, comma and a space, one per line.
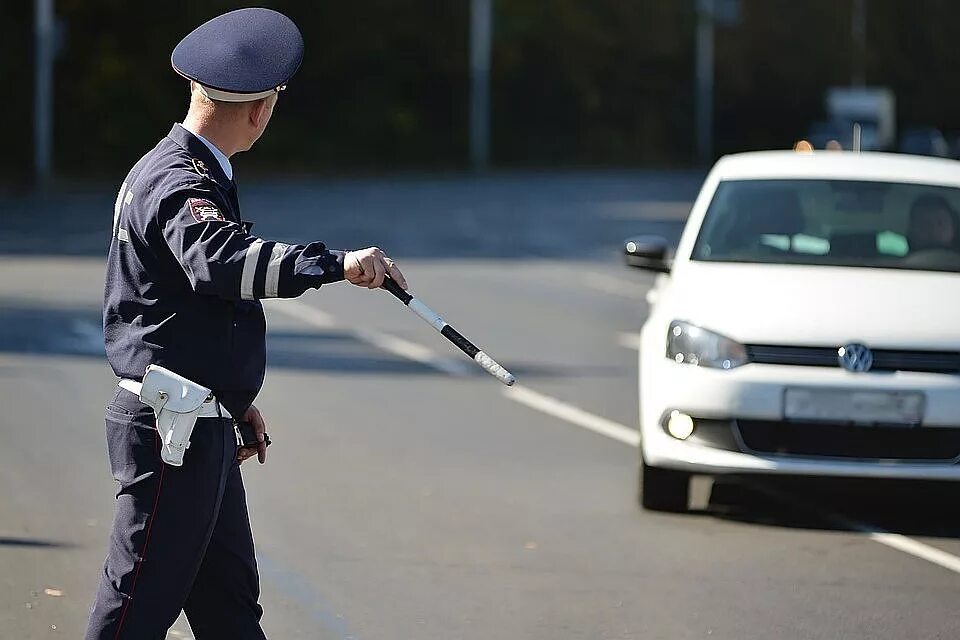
220, 258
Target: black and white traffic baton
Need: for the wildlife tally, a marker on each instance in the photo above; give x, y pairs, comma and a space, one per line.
430, 317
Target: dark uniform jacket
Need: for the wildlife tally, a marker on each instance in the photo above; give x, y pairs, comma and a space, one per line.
185, 276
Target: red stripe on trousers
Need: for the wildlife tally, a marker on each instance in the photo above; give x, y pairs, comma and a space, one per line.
146, 540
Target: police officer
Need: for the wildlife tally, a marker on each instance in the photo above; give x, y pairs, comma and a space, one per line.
184, 281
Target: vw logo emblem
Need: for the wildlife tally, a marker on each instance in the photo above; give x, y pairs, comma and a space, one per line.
855, 357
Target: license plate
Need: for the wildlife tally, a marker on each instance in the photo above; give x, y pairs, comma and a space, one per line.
844, 405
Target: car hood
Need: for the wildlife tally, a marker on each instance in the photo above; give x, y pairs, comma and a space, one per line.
816, 305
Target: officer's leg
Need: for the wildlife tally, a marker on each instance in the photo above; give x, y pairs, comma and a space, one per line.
164, 519
223, 602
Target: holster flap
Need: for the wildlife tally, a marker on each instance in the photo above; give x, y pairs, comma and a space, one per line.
165, 390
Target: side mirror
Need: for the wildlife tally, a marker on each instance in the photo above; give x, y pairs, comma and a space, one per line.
648, 252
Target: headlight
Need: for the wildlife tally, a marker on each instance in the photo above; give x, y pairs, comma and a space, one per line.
689, 344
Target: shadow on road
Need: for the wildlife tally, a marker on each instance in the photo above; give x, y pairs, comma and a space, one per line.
915, 508
47, 330
341, 351
34, 543
551, 215
29, 328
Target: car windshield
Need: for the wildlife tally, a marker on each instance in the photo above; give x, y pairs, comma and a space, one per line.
833, 222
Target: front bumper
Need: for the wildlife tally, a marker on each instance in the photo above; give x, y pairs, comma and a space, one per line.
749, 399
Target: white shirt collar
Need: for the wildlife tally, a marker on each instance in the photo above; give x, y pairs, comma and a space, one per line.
219, 155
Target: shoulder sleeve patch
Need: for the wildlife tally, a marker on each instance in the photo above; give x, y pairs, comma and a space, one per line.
204, 210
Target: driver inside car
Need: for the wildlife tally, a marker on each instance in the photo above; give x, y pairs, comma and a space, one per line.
934, 224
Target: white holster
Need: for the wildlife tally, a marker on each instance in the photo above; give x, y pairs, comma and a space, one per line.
176, 402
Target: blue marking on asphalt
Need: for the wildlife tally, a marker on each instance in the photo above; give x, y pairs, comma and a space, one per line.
297, 588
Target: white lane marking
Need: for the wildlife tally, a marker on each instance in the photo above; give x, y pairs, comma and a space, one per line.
602, 426
411, 351
624, 434
383, 341
304, 313
573, 415
916, 548
896, 541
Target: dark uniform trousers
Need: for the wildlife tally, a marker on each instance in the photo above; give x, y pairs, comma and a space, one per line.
181, 538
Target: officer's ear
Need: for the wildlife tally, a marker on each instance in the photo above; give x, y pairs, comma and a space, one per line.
259, 112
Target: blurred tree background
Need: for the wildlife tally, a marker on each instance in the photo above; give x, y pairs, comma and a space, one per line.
384, 84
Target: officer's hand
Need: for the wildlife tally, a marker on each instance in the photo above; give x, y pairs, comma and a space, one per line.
367, 268
254, 417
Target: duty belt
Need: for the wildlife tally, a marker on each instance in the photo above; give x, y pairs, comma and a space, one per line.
212, 408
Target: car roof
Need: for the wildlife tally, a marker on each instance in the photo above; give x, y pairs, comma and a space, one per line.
838, 165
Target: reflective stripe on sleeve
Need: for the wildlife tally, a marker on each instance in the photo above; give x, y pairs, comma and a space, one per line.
272, 284
117, 206
250, 270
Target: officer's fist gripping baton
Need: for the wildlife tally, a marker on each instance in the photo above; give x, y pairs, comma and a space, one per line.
430, 317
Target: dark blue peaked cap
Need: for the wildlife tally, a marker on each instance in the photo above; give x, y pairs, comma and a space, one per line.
240, 56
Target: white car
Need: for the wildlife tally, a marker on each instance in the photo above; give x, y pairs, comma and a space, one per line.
807, 324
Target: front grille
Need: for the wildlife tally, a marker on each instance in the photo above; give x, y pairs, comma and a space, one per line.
813, 439
883, 359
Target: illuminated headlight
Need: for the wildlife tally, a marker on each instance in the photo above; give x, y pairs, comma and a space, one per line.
689, 344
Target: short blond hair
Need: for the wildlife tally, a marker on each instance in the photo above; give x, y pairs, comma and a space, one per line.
209, 106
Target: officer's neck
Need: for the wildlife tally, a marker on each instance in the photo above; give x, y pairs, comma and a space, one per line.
222, 135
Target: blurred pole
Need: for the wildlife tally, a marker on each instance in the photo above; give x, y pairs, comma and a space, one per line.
43, 90
704, 73
481, 35
858, 33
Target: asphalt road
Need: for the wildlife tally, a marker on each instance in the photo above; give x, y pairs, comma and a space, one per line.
408, 495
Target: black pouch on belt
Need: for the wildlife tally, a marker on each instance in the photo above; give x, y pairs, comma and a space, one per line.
248, 436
